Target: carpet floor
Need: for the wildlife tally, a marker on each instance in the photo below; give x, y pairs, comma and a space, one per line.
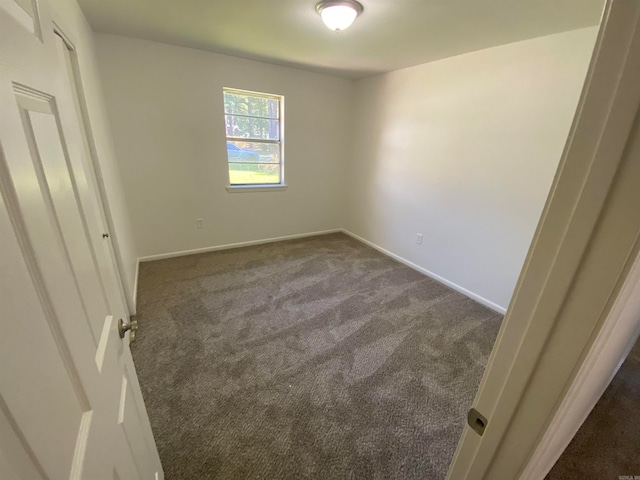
317, 358
608, 442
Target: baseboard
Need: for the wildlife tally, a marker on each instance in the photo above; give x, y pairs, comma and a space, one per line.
228, 246
456, 287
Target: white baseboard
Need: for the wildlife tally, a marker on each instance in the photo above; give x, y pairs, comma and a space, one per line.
228, 246
456, 287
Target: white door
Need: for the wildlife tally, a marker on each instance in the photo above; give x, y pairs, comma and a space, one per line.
70, 403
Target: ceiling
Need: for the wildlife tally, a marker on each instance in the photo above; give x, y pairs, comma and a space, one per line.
390, 34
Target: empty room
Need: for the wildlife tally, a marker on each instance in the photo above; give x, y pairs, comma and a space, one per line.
290, 239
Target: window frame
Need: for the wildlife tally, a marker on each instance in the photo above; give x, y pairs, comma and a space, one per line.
248, 187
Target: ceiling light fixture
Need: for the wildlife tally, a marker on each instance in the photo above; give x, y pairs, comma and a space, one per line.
338, 14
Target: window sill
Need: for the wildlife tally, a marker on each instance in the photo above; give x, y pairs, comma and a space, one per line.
255, 188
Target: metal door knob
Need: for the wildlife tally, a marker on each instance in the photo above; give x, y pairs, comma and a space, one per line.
124, 327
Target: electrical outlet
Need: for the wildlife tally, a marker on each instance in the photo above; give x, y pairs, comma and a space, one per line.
419, 239
199, 222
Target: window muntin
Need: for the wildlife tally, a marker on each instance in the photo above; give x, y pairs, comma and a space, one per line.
253, 124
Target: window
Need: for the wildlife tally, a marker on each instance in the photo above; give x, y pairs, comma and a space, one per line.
253, 123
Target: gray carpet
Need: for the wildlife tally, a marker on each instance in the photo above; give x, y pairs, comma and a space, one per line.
607, 446
317, 358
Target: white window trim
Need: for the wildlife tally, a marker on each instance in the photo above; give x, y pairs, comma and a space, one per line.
270, 187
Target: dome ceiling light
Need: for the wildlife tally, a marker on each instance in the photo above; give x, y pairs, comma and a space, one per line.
338, 14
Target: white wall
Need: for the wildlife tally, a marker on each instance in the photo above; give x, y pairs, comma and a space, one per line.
166, 112
464, 150
68, 16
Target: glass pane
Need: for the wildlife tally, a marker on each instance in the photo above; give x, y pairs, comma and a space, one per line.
253, 152
249, 105
248, 127
254, 173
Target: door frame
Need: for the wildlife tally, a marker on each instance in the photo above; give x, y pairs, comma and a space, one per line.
543, 342
93, 167
617, 337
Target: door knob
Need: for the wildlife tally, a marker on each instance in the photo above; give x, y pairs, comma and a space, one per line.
124, 327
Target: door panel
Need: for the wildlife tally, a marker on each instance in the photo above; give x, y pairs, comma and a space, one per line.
42, 131
60, 397
15, 461
129, 417
56, 420
24, 12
